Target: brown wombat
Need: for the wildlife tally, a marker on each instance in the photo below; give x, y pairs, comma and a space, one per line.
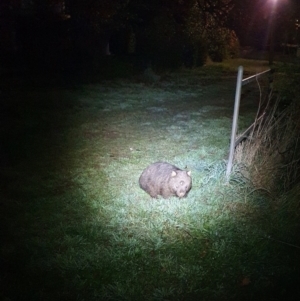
164, 179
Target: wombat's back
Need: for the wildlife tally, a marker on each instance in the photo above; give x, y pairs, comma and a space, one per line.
165, 179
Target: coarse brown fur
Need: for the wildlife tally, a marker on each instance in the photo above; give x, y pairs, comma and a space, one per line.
167, 180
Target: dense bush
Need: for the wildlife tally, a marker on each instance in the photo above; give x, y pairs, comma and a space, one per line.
222, 43
160, 41
169, 46
270, 158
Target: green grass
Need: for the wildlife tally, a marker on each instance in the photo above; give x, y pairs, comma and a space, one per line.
250, 66
76, 226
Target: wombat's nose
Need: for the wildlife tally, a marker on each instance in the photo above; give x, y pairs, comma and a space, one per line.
181, 194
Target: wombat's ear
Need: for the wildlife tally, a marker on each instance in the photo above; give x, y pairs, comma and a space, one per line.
173, 174
189, 173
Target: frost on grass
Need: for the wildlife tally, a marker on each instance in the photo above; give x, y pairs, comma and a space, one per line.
156, 109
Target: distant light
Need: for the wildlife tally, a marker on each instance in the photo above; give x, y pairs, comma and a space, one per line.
273, 2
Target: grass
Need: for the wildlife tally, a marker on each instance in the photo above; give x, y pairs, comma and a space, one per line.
76, 226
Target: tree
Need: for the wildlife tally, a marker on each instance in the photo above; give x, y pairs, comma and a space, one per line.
205, 27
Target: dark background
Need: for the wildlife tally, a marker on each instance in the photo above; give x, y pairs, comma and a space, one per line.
73, 35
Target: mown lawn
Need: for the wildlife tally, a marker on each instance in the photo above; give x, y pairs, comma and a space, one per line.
76, 226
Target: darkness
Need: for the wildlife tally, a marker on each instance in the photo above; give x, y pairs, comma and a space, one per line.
55, 43
69, 36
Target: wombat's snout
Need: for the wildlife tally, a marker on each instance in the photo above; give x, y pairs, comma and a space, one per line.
182, 190
181, 194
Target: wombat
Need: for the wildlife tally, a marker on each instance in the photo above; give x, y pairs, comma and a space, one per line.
167, 180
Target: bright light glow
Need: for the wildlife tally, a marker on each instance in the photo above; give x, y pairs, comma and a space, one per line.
273, 2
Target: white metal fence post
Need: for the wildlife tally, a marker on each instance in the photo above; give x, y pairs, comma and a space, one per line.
235, 119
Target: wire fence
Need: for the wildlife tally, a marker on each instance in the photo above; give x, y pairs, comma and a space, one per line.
233, 140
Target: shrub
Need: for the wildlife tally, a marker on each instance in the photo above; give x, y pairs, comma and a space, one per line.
269, 159
223, 43
161, 42
265, 158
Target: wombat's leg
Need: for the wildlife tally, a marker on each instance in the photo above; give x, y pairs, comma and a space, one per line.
165, 193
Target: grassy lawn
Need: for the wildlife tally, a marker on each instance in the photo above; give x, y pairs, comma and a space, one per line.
76, 226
